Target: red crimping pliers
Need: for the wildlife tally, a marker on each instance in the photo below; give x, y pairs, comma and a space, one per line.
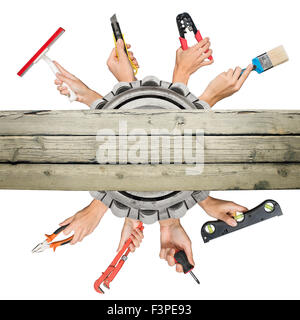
186, 24
47, 244
113, 269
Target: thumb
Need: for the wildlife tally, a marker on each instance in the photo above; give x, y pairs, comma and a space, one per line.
228, 219
120, 48
189, 253
121, 244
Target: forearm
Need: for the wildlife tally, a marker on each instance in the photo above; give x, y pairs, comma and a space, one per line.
210, 99
90, 97
180, 75
169, 223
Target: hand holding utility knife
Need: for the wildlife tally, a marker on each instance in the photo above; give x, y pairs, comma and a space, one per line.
118, 35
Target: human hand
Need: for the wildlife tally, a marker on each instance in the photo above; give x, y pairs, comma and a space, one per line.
222, 210
225, 85
190, 60
83, 92
85, 221
173, 238
119, 64
130, 231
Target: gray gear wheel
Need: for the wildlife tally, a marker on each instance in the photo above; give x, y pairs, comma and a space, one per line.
149, 207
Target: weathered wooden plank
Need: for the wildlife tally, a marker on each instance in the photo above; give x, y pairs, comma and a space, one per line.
82, 149
154, 177
88, 122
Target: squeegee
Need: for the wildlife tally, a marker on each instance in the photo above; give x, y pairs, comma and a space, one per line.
41, 55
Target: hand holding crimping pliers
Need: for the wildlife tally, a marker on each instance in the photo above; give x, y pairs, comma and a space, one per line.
185, 24
47, 244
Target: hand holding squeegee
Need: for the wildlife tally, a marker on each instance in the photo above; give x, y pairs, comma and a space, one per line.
41, 55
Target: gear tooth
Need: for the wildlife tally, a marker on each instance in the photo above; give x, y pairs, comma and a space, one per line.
135, 84
178, 210
119, 209
110, 96
200, 195
150, 81
180, 88
163, 214
121, 87
133, 213
201, 106
101, 104
107, 199
190, 202
192, 98
148, 216
165, 84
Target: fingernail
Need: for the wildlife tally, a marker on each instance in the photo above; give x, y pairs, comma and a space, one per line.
233, 223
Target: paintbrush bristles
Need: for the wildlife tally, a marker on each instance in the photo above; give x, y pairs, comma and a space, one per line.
278, 56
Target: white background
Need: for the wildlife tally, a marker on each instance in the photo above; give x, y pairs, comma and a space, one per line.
259, 262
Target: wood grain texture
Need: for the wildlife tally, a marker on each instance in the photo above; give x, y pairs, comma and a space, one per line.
56, 150
217, 149
149, 177
88, 122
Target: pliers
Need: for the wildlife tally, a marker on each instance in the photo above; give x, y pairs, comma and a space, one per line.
47, 244
186, 24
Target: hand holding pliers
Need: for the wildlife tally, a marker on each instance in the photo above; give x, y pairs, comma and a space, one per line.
48, 243
186, 24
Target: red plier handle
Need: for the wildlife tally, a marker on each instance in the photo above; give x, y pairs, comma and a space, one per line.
109, 274
186, 24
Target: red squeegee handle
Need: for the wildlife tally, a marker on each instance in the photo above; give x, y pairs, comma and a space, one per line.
184, 44
51, 40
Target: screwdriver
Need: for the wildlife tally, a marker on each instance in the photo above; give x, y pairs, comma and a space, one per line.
181, 258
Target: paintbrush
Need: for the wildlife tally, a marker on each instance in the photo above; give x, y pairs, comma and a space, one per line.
270, 59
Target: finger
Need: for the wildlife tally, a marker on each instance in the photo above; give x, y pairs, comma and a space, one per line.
75, 238
179, 267
128, 45
64, 71
204, 48
68, 229
229, 72
170, 257
162, 253
65, 79
65, 222
245, 75
82, 235
237, 73
61, 88
228, 219
113, 55
58, 82
205, 55
132, 247
120, 48
135, 241
138, 235
237, 208
201, 44
130, 55
65, 92
207, 62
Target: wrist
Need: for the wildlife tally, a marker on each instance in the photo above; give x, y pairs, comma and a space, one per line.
179, 75
100, 207
169, 223
208, 98
90, 97
206, 202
